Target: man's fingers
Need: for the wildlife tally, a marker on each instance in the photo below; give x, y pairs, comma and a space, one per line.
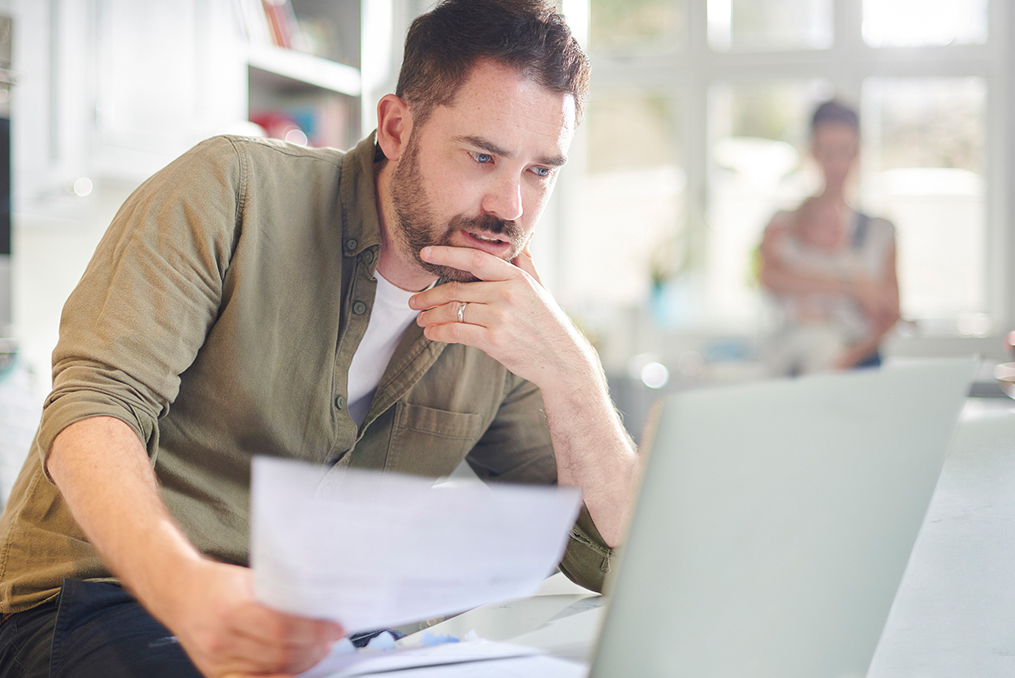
231, 632
243, 653
477, 262
266, 625
450, 292
246, 654
260, 639
473, 313
456, 333
491, 271
525, 262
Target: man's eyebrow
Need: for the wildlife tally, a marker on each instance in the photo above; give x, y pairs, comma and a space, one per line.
553, 160
490, 147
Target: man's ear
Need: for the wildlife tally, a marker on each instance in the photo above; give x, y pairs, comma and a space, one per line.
394, 125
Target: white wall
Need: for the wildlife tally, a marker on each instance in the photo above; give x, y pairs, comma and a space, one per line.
81, 110
49, 258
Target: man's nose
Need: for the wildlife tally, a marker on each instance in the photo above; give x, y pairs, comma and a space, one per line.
503, 199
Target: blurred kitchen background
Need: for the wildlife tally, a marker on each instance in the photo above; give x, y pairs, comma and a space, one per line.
695, 133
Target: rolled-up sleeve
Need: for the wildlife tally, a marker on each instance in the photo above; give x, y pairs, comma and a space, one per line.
147, 299
517, 448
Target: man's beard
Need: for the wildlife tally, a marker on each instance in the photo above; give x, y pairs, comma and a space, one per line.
418, 226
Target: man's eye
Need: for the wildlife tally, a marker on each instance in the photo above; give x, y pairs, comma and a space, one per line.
541, 171
481, 158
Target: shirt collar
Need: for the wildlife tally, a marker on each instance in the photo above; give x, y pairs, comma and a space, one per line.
359, 200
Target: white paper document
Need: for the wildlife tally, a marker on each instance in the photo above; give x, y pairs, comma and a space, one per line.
372, 550
469, 659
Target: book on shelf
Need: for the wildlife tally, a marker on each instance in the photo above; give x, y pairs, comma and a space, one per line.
274, 22
285, 30
254, 21
322, 120
279, 34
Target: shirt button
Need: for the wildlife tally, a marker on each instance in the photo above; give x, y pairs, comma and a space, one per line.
368, 257
351, 244
340, 402
359, 308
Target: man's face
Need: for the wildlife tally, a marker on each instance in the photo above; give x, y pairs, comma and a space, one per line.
479, 171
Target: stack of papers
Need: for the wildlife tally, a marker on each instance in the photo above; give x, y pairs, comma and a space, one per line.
475, 659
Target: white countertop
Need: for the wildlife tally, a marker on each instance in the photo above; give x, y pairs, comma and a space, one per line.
954, 613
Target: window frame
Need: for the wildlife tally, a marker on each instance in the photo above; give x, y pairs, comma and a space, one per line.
688, 70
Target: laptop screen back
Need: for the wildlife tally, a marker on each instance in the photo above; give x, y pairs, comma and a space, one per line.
775, 522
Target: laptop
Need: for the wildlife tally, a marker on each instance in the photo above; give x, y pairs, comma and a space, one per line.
774, 524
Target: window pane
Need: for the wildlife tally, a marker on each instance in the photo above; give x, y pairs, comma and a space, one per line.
757, 134
745, 25
630, 202
923, 170
924, 22
631, 25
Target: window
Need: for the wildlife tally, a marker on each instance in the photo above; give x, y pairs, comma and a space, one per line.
634, 195
752, 25
698, 132
923, 168
888, 23
625, 25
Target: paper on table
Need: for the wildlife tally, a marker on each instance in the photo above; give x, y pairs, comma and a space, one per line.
469, 660
371, 550
345, 663
534, 666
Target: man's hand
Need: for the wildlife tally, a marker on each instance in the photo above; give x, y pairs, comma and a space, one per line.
226, 632
513, 319
508, 315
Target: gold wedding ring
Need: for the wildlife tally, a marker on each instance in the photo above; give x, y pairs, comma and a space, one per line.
461, 311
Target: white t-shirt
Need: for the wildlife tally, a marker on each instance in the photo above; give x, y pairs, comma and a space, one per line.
389, 319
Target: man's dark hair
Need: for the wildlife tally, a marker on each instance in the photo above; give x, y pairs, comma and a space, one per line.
527, 35
835, 112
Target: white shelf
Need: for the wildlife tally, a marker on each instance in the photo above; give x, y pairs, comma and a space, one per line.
305, 68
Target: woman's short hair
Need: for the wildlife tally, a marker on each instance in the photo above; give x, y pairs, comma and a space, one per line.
528, 35
835, 112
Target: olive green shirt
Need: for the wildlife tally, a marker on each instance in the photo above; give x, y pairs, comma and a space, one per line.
218, 319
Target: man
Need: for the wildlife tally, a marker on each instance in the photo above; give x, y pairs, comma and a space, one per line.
256, 298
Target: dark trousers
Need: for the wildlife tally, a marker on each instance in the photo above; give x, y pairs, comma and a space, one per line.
873, 360
90, 630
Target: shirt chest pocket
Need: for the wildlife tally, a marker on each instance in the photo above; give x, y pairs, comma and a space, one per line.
431, 442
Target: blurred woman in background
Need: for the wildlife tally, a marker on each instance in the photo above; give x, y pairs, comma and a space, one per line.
830, 268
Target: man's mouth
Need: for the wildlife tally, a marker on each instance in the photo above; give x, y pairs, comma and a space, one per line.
499, 245
486, 238
485, 233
